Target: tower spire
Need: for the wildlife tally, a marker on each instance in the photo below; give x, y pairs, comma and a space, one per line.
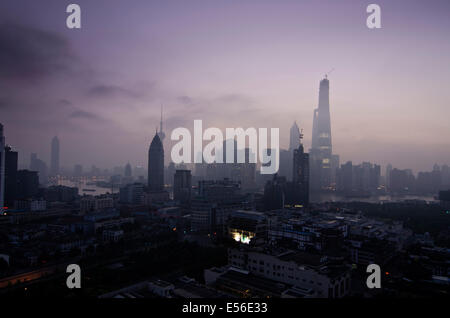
161, 122
161, 132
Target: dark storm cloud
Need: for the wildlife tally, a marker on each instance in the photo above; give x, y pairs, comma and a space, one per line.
235, 99
110, 91
184, 100
81, 114
64, 103
31, 54
228, 105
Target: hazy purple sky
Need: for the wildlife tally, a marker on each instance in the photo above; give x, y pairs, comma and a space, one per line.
232, 63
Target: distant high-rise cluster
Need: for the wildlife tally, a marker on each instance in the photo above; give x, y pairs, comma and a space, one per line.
358, 180
279, 192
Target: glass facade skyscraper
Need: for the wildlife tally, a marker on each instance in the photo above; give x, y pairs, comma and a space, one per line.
321, 146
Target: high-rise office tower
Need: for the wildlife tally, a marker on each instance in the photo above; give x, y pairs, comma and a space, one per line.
388, 176
275, 193
294, 137
128, 172
321, 148
335, 160
11, 158
182, 185
54, 163
156, 165
40, 166
2, 169
345, 178
300, 176
78, 170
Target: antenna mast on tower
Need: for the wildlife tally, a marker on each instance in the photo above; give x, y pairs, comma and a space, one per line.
329, 72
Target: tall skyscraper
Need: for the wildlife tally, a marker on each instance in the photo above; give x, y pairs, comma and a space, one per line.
54, 163
345, 178
388, 176
335, 160
2, 169
182, 186
156, 165
321, 148
40, 166
300, 176
294, 137
128, 172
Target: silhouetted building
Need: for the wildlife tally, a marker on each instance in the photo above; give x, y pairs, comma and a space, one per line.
401, 181
60, 194
2, 169
11, 158
128, 173
445, 177
54, 163
431, 182
170, 173
132, 194
247, 171
27, 184
345, 178
156, 165
182, 186
39, 166
335, 161
243, 172
300, 176
275, 193
214, 202
388, 176
359, 180
444, 198
78, 170
294, 137
279, 192
285, 168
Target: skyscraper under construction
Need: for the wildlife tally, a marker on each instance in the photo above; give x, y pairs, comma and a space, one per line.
321, 147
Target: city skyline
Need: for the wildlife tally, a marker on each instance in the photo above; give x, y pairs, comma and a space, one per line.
96, 105
252, 154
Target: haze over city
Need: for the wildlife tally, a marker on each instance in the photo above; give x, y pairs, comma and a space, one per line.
225, 156
231, 64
